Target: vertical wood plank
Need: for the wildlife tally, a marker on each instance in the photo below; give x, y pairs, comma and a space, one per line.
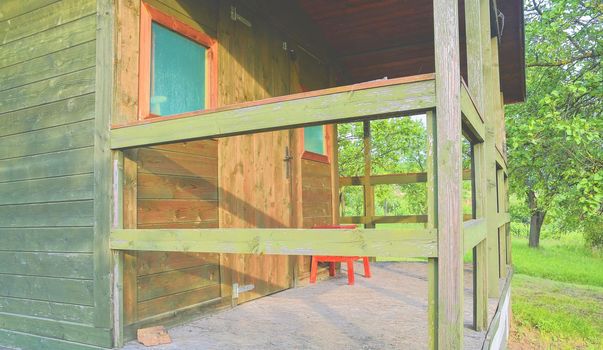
432, 217
449, 175
489, 151
130, 220
369, 191
118, 256
334, 174
102, 165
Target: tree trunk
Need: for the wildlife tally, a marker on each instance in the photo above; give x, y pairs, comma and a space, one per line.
535, 221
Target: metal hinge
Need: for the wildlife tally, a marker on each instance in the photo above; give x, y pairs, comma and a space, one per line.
236, 17
236, 290
287, 161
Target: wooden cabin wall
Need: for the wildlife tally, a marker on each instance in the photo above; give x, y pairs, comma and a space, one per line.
254, 190
51, 285
313, 183
177, 188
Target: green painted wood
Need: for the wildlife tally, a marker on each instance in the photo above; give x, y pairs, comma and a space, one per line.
56, 329
472, 121
62, 290
54, 189
449, 174
27, 341
63, 163
60, 138
474, 231
61, 62
323, 109
49, 90
79, 213
69, 265
51, 40
359, 242
432, 220
45, 309
44, 18
14, 8
71, 110
103, 164
47, 239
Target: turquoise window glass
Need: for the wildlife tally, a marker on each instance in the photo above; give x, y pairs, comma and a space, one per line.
177, 73
314, 139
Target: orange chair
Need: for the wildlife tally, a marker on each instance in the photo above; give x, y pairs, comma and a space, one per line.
333, 259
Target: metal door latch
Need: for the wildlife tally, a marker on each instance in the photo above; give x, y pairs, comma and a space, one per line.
287, 161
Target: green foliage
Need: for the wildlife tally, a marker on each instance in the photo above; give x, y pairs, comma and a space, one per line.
563, 311
567, 259
555, 138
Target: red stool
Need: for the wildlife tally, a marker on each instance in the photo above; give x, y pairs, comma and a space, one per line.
333, 259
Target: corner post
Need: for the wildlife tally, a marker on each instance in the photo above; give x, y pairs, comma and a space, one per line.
491, 95
449, 174
476, 84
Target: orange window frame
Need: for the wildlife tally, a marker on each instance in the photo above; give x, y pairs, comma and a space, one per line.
149, 14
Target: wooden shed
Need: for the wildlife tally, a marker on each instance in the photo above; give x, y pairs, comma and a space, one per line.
164, 158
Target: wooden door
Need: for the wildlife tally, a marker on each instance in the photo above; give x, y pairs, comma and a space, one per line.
255, 190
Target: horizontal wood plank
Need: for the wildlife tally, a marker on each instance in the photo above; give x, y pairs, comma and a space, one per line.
61, 290
62, 163
60, 138
49, 90
151, 186
62, 62
71, 110
46, 309
80, 213
177, 281
173, 211
47, 239
10, 9
68, 265
392, 179
393, 219
44, 18
474, 231
324, 107
55, 189
472, 120
56, 329
155, 262
51, 40
390, 243
21, 340
171, 163
171, 303
205, 148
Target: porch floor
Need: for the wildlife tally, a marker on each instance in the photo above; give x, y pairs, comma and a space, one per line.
387, 311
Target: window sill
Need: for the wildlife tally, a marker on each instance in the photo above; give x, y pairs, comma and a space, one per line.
315, 157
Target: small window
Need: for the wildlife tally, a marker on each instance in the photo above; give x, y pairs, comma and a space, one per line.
177, 66
314, 139
177, 73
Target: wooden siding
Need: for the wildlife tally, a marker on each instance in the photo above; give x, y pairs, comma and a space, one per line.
47, 110
177, 188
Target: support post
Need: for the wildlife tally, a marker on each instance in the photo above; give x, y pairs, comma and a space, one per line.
117, 256
491, 92
449, 174
369, 192
476, 85
432, 218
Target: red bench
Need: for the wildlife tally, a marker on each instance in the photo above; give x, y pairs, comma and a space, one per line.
333, 259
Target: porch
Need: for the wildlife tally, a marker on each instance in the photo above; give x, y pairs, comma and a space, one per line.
386, 311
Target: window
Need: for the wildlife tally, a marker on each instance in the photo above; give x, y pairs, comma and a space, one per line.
315, 145
177, 66
314, 139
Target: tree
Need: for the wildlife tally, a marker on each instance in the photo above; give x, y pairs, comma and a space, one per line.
555, 138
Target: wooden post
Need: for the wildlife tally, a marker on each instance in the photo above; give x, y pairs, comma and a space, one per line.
369, 192
477, 85
334, 175
117, 256
449, 175
432, 217
130, 220
490, 94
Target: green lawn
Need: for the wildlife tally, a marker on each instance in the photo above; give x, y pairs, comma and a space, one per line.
557, 295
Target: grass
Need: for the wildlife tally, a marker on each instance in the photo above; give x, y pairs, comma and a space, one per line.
557, 295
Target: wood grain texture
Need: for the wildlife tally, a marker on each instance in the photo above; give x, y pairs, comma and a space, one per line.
449, 174
47, 239
360, 242
49, 310
333, 107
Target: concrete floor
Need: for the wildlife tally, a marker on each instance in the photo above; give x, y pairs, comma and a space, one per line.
387, 311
